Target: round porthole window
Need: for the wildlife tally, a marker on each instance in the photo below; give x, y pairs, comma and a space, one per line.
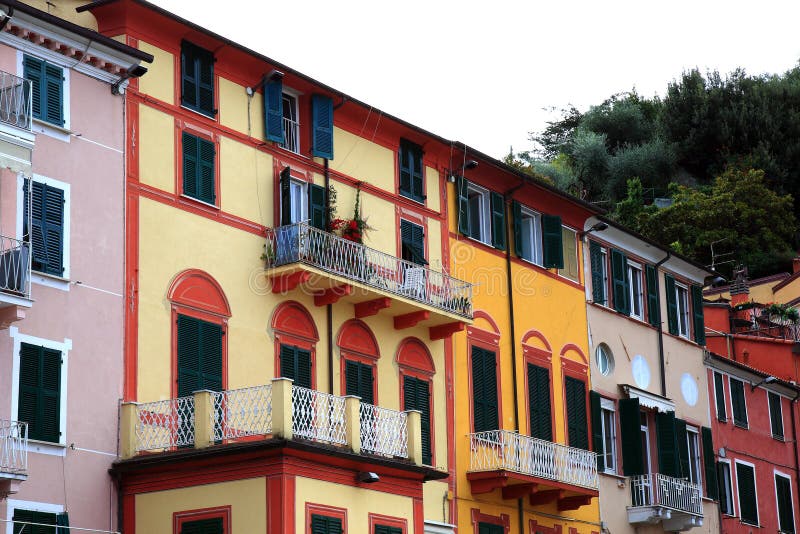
605, 359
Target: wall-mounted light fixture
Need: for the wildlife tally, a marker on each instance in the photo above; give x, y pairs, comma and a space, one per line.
468, 166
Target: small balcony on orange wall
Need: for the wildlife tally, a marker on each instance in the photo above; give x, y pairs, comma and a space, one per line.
523, 466
300, 257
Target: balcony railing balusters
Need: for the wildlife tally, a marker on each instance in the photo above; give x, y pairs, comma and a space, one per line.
15, 101
13, 447
660, 490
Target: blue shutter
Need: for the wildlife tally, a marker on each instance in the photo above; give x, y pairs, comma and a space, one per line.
322, 124
273, 109
46, 233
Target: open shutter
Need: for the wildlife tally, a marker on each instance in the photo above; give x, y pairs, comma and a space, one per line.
539, 402
719, 395
286, 196
416, 396
303, 366
516, 214
672, 304
190, 165
745, 482
619, 277
189, 82
653, 304
552, 241
667, 444
462, 184
683, 447
53, 95
316, 206
630, 430
598, 279
775, 415
62, 523
33, 70
578, 429
205, 96
597, 429
498, 221
322, 124
783, 490
697, 315
738, 402
273, 110
36, 230
205, 182
709, 467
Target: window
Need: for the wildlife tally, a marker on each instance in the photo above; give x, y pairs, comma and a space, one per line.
359, 381
682, 296
478, 199
213, 525
598, 257
539, 402
301, 201
47, 84
570, 254
291, 123
21, 518
197, 79
198, 168
385, 529
738, 405
47, 231
199, 355
719, 397
604, 359
577, 427
39, 402
635, 290
481, 214
783, 494
725, 488
490, 528
678, 313
412, 242
746, 490
693, 443
609, 436
484, 390
296, 364
528, 234
417, 396
411, 179
323, 524
775, 415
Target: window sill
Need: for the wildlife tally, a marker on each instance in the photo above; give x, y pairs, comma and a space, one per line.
48, 128
742, 426
420, 201
782, 439
614, 474
198, 201
46, 447
50, 280
755, 525
212, 117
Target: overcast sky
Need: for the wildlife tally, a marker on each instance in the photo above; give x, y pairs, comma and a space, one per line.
487, 73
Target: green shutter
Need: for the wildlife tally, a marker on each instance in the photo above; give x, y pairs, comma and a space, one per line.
539, 402
719, 395
21, 517
738, 402
410, 160
667, 444
490, 528
653, 304
53, 95
672, 304
296, 364
712, 485
199, 355
552, 242
62, 523
198, 168
416, 396
783, 489
322, 127
412, 242
577, 428
619, 277
203, 526
33, 70
516, 214
597, 261
316, 206
190, 164
723, 488
697, 315
631, 433
197, 79
286, 196
597, 429
383, 529
39, 401
359, 381
273, 110
46, 232
484, 390
775, 415
683, 448
462, 185
746, 485
498, 221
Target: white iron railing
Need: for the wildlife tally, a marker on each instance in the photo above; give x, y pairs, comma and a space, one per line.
13, 447
502, 449
318, 416
242, 412
15, 266
291, 130
301, 242
660, 490
384, 431
15, 101
165, 424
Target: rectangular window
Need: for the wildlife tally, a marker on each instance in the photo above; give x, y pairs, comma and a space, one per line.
417, 396
47, 226
775, 415
47, 86
738, 404
478, 225
682, 300
296, 364
411, 179
39, 402
490, 528
539, 402
570, 254
530, 246
719, 397
598, 257
291, 124
412, 242
323, 524
23, 520
359, 381
635, 295
213, 525
725, 488
197, 79
199, 347
783, 493
198, 168
609, 432
746, 490
693, 443
484, 390
577, 427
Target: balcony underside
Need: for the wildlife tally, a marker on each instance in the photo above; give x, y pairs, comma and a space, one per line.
538, 490
10, 483
329, 288
671, 520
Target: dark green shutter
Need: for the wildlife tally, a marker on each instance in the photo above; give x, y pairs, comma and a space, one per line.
322, 127
748, 503
199, 355
539, 402
322, 524
577, 428
683, 448
286, 196
462, 185
719, 394
484, 390
416, 396
597, 260
708, 464
672, 304
597, 429
738, 402
631, 433
359, 381
33, 70
724, 488
296, 364
273, 110
412, 242
619, 277
516, 214
62, 523
30, 516
383, 529
697, 315
410, 159
46, 233
552, 242
203, 526
775, 415
667, 444
653, 304
190, 165
198, 168
39, 402
783, 489
316, 206
47, 83
498, 221
197, 79
490, 528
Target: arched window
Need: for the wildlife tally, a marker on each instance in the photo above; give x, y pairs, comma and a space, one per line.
295, 343
359, 353
416, 377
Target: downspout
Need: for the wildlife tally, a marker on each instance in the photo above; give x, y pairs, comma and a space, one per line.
793, 404
661, 365
329, 307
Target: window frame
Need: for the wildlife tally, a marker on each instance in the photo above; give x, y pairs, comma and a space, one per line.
535, 238
32, 506
609, 356
608, 406
564, 272
485, 213
770, 395
294, 185
47, 279
744, 397
681, 289
293, 108
209, 137
313, 509
54, 58
212, 114
696, 461
631, 268
387, 521
729, 489
752, 466
187, 516
780, 474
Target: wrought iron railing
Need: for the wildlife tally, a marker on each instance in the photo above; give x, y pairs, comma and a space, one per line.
384, 431
660, 490
502, 449
291, 131
318, 416
303, 243
242, 412
13, 447
15, 266
15, 101
165, 424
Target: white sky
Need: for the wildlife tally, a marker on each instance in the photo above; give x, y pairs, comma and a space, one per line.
484, 72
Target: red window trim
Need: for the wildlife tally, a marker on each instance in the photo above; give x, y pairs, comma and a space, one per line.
389, 521
185, 516
356, 357
490, 341
479, 517
329, 511
305, 339
425, 377
579, 371
203, 133
178, 86
534, 527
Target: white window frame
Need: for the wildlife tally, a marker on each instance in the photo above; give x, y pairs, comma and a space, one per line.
769, 410
631, 268
729, 491
609, 356
606, 292
574, 239
485, 212
755, 490
61, 133
294, 97
607, 405
714, 375
533, 219
683, 289
645, 428
695, 463
34, 506
775, 475
303, 200
44, 447
744, 396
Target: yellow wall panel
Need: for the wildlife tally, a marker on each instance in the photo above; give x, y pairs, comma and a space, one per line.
246, 182
156, 149
159, 82
432, 189
360, 158
434, 495
234, 109
434, 238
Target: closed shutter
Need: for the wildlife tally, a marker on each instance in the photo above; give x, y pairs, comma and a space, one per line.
462, 184
322, 524
383, 529
667, 444
708, 464
412, 242
783, 489
62, 523
498, 221
619, 277
197, 79
490, 528
286, 196
630, 431
597, 429
316, 206
683, 448
46, 232
484, 390
577, 428
597, 260
33, 70
203, 526
516, 214
672, 304
39, 402
198, 168
411, 183
552, 242
746, 486
199, 355
719, 395
296, 364
322, 127
539, 402
738, 402
697, 315
273, 110
21, 519
359, 381
653, 303
416, 396
775, 415
47, 83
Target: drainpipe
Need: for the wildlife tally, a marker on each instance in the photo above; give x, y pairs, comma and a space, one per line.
329, 307
793, 404
661, 366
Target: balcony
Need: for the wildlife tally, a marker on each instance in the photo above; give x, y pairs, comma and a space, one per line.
335, 269
276, 410
521, 466
16, 137
13, 456
15, 280
675, 503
